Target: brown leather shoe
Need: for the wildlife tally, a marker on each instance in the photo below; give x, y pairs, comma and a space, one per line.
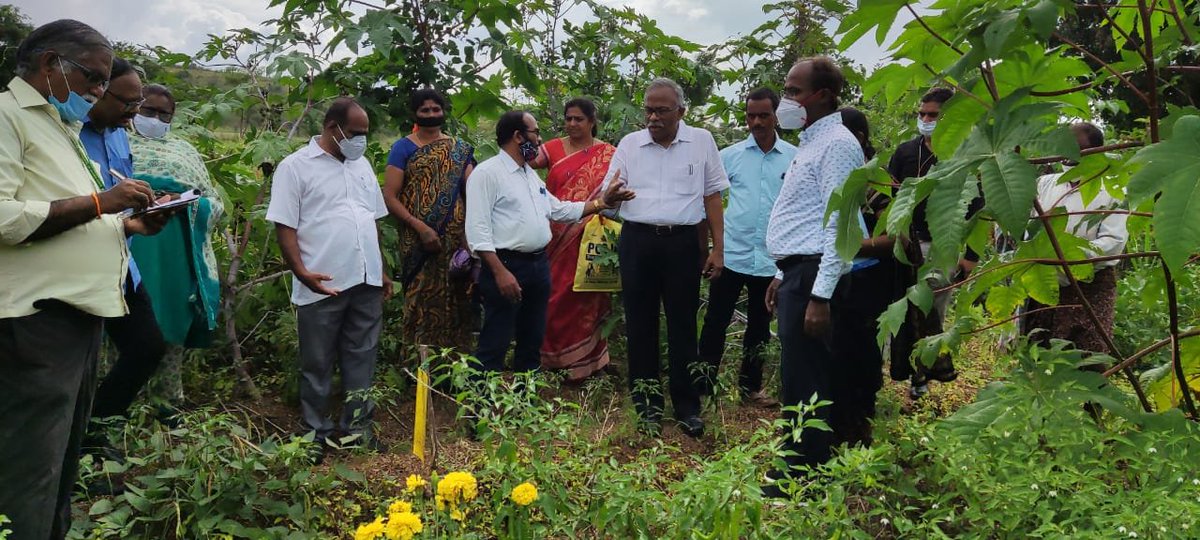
759, 399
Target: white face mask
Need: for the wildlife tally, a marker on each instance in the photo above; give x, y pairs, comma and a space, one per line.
150, 127
926, 128
791, 114
352, 147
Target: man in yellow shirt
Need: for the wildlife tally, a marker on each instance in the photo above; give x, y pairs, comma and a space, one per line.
63, 261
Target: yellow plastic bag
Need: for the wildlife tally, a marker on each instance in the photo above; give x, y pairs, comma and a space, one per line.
591, 275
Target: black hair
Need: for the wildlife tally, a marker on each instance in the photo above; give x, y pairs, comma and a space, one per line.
764, 93
419, 97
69, 38
586, 107
937, 95
856, 122
339, 111
120, 68
826, 75
158, 90
507, 126
1095, 137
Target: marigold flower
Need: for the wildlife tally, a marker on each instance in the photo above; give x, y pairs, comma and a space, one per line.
399, 507
457, 487
403, 526
524, 494
369, 531
458, 515
415, 483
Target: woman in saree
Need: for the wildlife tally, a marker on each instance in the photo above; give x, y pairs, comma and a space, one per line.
424, 187
577, 164
178, 266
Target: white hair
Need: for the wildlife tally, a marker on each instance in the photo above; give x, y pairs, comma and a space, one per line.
663, 82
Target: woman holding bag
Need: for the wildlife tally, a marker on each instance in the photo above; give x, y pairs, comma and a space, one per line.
577, 166
425, 190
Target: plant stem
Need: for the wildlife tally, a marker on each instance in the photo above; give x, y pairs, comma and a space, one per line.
1088, 152
1087, 306
1152, 97
1141, 95
1018, 316
1176, 355
1148, 350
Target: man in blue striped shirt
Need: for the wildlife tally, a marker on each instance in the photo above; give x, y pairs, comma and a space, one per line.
755, 167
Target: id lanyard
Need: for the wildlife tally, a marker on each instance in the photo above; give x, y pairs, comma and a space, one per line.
82, 155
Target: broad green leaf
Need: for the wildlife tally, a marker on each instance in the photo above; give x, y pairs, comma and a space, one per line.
1043, 17
1165, 392
947, 209
847, 200
959, 116
869, 14
1003, 301
891, 320
1009, 187
1041, 282
998, 31
1172, 167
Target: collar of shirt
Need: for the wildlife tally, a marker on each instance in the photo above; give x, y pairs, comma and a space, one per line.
752, 144
510, 164
683, 135
27, 96
820, 127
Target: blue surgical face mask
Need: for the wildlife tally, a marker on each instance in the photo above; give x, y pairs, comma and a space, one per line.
76, 108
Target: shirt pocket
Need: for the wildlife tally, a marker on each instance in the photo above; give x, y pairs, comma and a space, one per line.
365, 187
688, 179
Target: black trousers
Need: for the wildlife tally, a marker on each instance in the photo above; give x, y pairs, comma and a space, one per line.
140, 347
860, 361
808, 366
504, 319
722, 299
660, 267
47, 374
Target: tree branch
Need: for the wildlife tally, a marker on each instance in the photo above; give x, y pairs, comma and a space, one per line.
1152, 101
1018, 316
1150, 350
936, 35
1176, 354
1187, 38
1141, 95
1088, 152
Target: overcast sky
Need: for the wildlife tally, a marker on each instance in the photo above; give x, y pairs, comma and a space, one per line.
183, 25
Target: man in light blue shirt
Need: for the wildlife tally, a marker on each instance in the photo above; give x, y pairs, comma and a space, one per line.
755, 167
136, 335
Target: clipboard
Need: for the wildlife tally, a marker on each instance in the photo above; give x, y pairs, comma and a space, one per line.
186, 198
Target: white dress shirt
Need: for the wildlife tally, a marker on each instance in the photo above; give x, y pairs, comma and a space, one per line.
670, 182
1108, 237
826, 155
508, 207
333, 206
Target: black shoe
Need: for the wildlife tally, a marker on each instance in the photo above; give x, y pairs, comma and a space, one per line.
104, 486
692, 426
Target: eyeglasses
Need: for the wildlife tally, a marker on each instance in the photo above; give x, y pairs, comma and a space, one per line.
791, 92
93, 77
660, 111
537, 132
154, 112
924, 114
127, 105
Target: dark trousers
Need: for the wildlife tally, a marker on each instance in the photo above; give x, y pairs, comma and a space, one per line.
47, 374
808, 366
340, 331
504, 319
141, 348
722, 299
860, 362
660, 268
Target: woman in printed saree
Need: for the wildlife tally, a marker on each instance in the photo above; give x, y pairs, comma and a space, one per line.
424, 187
577, 166
179, 269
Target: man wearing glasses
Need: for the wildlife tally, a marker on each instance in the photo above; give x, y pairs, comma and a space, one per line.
676, 169
914, 159
508, 226
136, 336
62, 269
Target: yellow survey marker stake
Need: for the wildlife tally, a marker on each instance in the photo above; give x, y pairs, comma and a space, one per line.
422, 411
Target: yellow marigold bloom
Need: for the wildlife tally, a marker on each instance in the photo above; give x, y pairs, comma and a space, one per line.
403, 525
415, 483
458, 515
457, 487
399, 507
369, 531
524, 494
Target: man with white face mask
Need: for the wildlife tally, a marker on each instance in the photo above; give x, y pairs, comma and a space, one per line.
325, 200
914, 159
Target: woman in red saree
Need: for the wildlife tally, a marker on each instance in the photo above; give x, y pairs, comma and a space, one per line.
577, 166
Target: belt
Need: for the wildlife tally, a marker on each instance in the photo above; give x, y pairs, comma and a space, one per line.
658, 230
521, 254
790, 261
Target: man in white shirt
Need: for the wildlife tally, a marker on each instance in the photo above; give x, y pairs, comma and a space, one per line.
508, 226
1107, 236
677, 172
325, 201
809, 286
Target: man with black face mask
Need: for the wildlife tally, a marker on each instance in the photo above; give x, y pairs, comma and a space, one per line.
508, 226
